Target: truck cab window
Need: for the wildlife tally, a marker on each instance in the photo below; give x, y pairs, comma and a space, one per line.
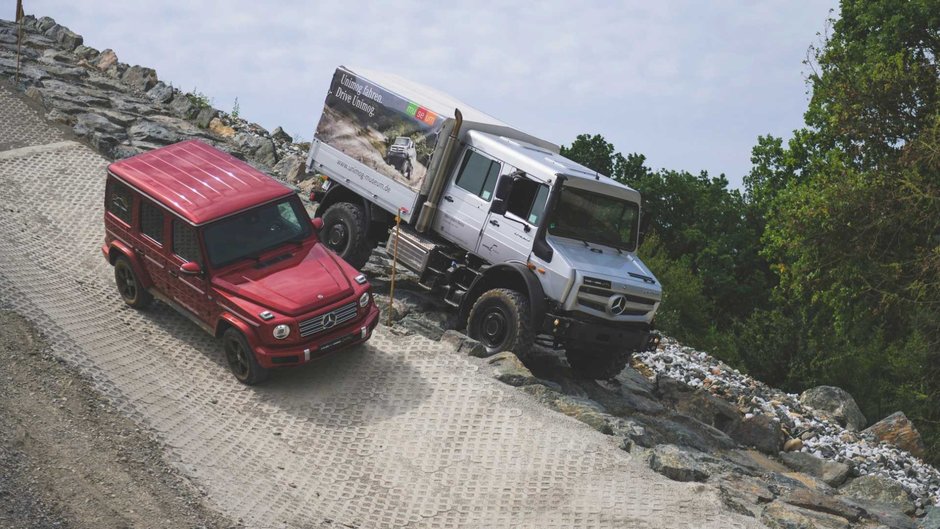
527, 200
478, 174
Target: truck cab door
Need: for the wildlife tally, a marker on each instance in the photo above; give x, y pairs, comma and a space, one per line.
510, 227
465, 203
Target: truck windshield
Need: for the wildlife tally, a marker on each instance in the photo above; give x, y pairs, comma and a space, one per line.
594, 218
250, 233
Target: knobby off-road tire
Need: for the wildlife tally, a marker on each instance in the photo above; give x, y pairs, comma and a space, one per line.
241, 358
502, 321
128, 285
596, 364
346, 233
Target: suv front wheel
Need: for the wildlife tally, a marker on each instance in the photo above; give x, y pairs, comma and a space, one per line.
129, 286
241, 358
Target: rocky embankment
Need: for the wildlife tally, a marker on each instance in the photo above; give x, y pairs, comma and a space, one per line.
790, 461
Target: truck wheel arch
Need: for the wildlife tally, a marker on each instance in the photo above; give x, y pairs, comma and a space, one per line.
515, 276
377, 219
119, 249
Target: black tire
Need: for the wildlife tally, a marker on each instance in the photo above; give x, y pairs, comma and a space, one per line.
502, 321
129, 286
596, 364
346, 233
241, 358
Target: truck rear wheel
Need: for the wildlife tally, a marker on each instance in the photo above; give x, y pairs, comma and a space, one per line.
346, 233
502, 321
594, 364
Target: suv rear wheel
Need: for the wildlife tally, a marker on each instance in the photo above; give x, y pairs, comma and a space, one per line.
345, 232
129, 286
501, 320
241, 358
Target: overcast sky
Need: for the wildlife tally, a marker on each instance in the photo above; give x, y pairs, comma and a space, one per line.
689, 84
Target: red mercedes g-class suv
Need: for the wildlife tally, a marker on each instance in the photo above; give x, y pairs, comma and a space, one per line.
235, 251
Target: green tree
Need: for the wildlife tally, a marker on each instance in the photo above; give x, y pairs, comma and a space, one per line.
853, 212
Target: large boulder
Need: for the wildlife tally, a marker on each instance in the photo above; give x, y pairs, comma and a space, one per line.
149, 133
898, 430
931, 519
257, 147
760, 431
879, 489
832, 472
508, 369
835, 404
160, 92
779, 515
140, 78
291, 167
280, 136
681, 464
105, 60
65, 37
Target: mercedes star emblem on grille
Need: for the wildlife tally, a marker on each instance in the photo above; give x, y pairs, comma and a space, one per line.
329, 320
616, 305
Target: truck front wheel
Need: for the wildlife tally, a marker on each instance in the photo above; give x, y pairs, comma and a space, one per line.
346, 233
594, 364
501, 320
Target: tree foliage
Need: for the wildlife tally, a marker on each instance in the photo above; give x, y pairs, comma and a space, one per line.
826, 270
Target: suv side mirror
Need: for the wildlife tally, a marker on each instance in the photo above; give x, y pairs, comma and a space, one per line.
191, 269
317, 224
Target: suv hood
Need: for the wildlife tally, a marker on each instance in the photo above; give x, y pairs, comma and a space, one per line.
291, 281
608, 264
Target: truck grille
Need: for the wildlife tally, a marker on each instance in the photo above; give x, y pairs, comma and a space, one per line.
596, 298
327, 321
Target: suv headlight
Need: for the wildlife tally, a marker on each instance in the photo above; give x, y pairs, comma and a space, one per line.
364, 299
282, 331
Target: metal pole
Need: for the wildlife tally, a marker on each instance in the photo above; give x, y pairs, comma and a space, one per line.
391, 290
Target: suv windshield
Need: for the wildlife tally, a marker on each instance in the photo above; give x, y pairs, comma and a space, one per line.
594, 218
248, 234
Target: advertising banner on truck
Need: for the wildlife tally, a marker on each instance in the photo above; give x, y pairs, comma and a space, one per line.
379, 129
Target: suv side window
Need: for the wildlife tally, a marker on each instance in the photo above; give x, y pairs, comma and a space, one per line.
185, 242
120, 201
527, 200
151, 221
478, 174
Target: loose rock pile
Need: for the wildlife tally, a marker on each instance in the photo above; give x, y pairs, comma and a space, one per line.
819, 433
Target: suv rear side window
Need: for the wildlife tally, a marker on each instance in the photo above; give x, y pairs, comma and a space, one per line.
119, 201
478, 174
151, 221
185, 242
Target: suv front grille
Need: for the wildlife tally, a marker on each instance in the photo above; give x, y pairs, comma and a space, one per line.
323, 322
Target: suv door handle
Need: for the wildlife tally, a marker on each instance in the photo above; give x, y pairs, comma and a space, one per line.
448, 198
174, 273
494, 222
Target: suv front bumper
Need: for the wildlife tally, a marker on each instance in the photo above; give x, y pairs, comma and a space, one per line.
297, 354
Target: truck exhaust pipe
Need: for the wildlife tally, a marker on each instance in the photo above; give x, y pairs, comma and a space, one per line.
429, 210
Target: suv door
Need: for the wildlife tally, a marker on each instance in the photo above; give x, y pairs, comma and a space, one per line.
151, 241
508, 236
189, 291
465, 202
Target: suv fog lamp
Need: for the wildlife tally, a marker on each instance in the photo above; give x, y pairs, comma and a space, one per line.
361, 279
281, 331
364, 299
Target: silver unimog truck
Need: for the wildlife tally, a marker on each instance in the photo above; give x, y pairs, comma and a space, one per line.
527, 245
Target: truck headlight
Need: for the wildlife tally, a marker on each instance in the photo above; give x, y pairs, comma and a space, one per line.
282, 331
364, 299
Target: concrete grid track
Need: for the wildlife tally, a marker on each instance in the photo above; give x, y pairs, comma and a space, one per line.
401, 432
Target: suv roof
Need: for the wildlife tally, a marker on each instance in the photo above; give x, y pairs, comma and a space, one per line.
198, 181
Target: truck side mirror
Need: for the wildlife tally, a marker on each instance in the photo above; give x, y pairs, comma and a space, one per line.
317, 224
498, 206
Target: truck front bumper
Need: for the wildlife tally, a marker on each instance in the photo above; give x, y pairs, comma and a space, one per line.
629, 337
298, 354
